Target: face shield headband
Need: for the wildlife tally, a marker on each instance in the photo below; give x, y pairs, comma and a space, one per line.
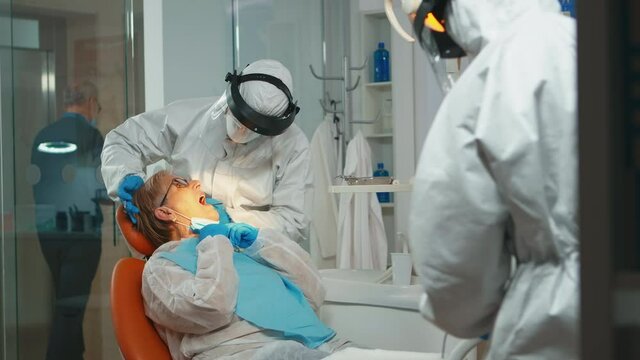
431, 31
251, 119
430, 28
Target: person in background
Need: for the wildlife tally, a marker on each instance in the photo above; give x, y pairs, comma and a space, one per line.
221, 290
497, 178
243, 147
67, 154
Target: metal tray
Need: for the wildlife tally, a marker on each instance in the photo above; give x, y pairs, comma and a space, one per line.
369, 180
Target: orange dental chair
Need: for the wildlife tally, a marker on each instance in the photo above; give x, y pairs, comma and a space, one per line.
136, 335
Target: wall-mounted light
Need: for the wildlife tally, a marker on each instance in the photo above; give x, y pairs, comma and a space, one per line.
57, 147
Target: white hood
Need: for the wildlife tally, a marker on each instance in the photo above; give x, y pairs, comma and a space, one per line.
474, 23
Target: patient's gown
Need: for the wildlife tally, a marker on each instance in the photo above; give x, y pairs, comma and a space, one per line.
194, 314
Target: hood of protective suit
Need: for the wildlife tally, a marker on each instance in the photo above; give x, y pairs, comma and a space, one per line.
474, 23
262, 96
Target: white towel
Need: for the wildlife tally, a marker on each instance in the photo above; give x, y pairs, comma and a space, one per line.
361, 236
325, 155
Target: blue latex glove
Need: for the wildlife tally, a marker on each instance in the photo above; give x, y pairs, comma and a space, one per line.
127, 187
213, 230
222, 212
242, 235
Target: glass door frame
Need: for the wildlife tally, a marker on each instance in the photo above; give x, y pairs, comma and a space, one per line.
8, 280
134, 103
609, 264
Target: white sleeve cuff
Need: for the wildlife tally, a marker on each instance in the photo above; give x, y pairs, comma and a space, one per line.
254, 250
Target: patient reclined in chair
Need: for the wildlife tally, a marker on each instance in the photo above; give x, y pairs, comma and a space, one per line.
225, 290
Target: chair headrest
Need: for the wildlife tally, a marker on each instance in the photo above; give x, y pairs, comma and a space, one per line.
134, 237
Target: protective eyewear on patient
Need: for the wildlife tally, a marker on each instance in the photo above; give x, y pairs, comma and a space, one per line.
179, 183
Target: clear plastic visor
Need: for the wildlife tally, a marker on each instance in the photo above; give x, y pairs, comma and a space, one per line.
445, 70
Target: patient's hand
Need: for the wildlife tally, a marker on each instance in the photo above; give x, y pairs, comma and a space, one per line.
241, 235
213, 230
224, 217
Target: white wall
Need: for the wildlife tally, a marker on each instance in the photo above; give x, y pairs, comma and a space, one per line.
153, 55
336, 13
188, 49
289, 31
198, 47
427, 97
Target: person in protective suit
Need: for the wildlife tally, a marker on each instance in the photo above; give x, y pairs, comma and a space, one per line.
243, 147
497, 177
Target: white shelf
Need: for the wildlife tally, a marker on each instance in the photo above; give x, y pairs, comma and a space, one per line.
380, 135
369, 188
387, 205
379, 85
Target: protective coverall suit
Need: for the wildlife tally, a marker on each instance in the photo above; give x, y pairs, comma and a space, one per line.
263, 182
497, 178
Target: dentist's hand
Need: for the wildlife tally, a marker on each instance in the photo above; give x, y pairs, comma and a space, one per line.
127, 187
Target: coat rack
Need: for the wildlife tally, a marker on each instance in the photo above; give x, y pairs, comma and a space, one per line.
347, 111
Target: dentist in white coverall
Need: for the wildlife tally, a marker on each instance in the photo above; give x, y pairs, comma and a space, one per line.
497, 178
262, 180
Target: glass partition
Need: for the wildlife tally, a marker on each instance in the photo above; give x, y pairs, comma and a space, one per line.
291, 32
8, 345
70, 71
64, 85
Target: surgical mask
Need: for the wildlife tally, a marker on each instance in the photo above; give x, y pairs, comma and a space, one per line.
195, 224
237, 132
198, 223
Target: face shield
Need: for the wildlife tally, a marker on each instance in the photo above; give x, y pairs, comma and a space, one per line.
247, 117
237, 132
429, 25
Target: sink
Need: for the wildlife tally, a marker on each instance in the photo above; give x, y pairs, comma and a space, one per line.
379, 316
360, 287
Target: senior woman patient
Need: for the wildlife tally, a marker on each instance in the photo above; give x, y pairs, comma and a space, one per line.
221, 290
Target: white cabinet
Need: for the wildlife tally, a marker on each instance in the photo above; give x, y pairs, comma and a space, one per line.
390, 104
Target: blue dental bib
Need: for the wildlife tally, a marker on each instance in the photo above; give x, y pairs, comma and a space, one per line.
266, 298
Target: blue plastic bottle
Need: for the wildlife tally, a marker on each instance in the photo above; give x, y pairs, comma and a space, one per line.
383, 197
568, 7
381, 64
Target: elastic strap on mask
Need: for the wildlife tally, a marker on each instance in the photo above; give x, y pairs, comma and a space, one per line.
175, 220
